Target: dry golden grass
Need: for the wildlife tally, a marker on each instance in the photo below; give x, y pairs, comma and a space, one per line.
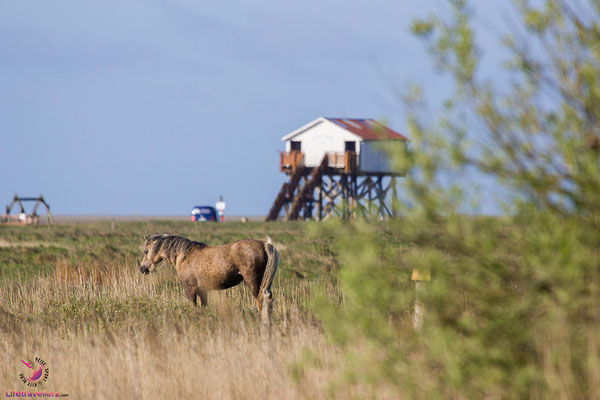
107, 331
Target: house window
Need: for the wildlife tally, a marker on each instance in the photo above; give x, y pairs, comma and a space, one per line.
350, 146
296, 145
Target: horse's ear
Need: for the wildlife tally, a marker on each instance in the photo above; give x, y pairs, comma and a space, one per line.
146, 238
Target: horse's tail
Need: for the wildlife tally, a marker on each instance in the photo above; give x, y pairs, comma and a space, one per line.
270, 269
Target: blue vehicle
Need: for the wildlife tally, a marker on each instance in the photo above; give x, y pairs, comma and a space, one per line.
204, 213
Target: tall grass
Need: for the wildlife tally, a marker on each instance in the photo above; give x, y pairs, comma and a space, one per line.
107, 331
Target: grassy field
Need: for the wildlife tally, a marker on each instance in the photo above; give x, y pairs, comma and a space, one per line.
71, 294
511, 312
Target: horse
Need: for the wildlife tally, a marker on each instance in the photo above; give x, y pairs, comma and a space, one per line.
201, 267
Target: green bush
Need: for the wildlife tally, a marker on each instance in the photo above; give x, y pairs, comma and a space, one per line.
513, 309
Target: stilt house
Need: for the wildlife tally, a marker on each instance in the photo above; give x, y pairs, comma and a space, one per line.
337, 161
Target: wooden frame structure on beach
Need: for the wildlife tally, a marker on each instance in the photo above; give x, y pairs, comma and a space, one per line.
31, 218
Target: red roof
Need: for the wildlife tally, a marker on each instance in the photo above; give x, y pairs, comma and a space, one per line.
368, 129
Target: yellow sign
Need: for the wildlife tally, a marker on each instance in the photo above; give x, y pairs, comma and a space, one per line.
420, 274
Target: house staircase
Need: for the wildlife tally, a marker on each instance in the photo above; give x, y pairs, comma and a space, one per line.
285, 193
304, 192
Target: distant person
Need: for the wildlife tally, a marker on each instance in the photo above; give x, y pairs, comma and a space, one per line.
220, 206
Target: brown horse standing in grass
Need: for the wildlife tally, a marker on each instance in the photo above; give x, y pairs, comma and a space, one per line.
201, 267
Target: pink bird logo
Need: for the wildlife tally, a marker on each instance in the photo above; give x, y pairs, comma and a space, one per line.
37, 374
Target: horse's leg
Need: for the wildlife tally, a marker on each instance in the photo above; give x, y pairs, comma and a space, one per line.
203, 297
190, 289
190, 293
253, 282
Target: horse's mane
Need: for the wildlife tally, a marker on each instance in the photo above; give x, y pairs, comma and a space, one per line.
173, 245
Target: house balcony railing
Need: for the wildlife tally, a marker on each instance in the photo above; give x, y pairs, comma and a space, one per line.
346, 162
290, 161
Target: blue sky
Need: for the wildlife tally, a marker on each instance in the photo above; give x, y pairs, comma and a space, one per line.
151, 107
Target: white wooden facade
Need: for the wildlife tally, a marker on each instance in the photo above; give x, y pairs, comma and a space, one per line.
327, 135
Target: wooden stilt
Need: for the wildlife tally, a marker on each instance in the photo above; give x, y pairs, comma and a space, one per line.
335, 191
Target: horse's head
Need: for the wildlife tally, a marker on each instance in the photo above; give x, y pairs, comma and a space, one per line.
151, 256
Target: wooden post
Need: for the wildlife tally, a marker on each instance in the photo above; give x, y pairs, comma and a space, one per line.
266, 311
419, 276
419, 308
